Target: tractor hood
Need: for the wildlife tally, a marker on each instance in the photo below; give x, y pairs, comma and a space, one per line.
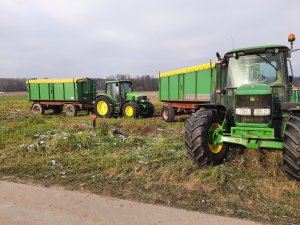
253, 89
133, 96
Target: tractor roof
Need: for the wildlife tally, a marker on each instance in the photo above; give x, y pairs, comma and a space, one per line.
258, 48
118, 81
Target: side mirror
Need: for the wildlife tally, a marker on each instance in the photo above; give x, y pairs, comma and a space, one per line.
291, 79
218, 56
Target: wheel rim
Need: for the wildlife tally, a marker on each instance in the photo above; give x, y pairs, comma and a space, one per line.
129, 110
70, 110
102, 108
166, 114
36, 109
214, 148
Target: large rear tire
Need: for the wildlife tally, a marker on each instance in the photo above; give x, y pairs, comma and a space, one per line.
131, 110
103, 107
148, 110
197, 130
168, 113
291, 148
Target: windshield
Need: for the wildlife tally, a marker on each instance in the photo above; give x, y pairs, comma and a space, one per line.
125, 88
266, 68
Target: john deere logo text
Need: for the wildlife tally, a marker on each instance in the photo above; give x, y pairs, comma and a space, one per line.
252, 99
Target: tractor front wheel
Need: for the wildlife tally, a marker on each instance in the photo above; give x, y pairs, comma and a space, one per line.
37, 109
291, 148
200, 130
71, 110
148, 110
131, 110
103, 107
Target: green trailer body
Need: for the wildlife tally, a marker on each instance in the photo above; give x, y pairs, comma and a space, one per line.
181, 90
79, 90
76, 94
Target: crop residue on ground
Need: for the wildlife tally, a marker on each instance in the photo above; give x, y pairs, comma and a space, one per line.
143, 160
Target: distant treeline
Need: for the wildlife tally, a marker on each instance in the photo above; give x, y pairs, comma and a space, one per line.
140, 83
12, 85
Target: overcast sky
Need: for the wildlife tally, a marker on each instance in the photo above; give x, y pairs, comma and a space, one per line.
98, 38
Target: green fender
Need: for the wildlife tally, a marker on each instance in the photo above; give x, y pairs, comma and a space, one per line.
109, 96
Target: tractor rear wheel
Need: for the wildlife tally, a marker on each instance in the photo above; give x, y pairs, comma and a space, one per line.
199, 130
291, 148
148, 111
131, 110
71, 110
103, 107
37, 109
168, 113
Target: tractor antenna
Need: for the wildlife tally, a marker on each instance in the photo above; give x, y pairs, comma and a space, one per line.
232, 42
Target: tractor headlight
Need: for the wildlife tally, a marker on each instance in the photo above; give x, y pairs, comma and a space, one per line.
243, 111
262, 112
142, 98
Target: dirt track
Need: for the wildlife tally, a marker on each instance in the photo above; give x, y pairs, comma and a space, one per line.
34, 205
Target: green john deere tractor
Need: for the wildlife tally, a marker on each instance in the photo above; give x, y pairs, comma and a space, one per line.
253, 104
119, 100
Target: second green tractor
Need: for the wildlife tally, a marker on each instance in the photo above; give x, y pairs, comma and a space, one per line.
120, 100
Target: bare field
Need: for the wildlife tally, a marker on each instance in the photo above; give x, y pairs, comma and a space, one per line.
13, 94
152, 95
143, 160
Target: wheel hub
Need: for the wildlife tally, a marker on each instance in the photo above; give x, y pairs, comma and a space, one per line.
212, 136
166, 114
102, 108
129, 110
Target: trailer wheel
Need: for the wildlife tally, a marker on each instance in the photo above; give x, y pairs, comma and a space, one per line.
71, 110
37, 109
148, 111
168, 113
58, 109
103, 107
199, 127
131, 110
291, 148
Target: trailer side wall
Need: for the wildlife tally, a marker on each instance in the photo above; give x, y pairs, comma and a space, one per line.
188, 84
83, 90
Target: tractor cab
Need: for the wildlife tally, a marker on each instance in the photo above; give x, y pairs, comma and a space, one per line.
118, 89
256, 79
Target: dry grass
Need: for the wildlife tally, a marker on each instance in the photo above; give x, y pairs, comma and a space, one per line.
143, 160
